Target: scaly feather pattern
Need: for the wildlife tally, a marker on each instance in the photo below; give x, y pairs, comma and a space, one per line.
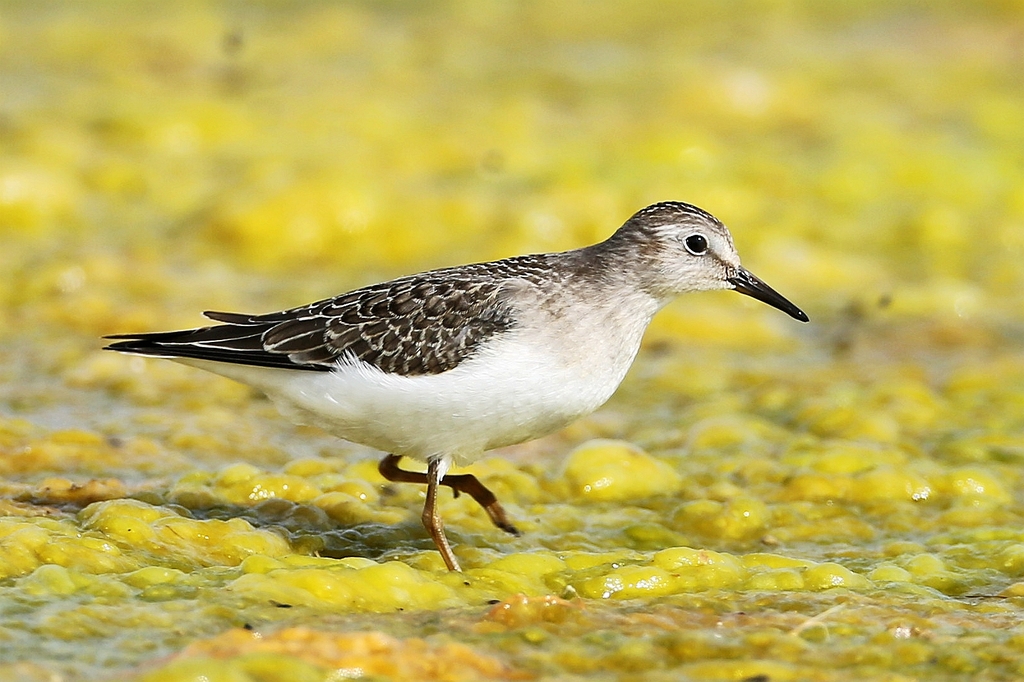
421, 324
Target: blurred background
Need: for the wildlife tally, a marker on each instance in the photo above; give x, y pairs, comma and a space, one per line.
160, 159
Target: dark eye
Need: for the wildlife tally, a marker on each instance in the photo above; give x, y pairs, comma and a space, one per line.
697, 244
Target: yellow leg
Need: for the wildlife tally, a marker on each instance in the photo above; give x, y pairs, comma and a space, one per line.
432, 520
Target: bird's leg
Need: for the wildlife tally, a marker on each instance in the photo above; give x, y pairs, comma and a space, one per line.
471, 485
432, 519
459, 483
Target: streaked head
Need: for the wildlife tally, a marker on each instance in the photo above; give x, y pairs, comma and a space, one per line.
684, 248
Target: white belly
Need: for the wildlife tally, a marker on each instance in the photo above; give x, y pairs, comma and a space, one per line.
509, 393
563, 362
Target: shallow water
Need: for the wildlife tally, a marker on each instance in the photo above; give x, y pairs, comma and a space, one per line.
760, 500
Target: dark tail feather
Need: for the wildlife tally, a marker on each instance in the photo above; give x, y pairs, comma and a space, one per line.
137, 346
230, 318
238, 345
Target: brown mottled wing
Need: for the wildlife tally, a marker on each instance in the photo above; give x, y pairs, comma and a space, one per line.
414, 325
422, 324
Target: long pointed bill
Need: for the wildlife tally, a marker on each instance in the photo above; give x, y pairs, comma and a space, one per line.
745, 283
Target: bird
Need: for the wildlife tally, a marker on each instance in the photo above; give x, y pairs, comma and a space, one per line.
444, 365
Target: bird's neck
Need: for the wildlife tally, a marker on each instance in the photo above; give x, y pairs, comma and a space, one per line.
623, 265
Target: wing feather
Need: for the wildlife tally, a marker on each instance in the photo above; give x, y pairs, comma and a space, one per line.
422, 324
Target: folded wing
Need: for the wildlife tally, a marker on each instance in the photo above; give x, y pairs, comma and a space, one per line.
423, 324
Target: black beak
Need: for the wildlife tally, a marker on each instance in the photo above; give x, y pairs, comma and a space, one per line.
745, 283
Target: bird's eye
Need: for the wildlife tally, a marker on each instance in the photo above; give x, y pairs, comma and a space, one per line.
697, 244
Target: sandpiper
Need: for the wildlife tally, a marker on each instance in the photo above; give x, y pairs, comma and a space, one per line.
447, 364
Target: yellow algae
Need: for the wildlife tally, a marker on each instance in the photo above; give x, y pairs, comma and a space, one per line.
21, 550
500, 580
347, 562
134, 524
507, 481
365, 470
852, 458
29, 545
236, 474
366, 587
723, 491
310, 467
361, 490
259, 159
715, 327
829, 574
431, 562
748, 670
535, 564
266, 486
718, 432
242, 669
973, 483
970, 512
348, 509
1014, 590
129, 529
831, 421
930, 570
913, 403
629, 582
700, 569
218, 542
581, 561
607, 470
153, 575
1011, 559
888, 572
740, 518
96, 555
305, 561
783, 579
260, 588
243, 485
260, 564
520, 609
61, 490
102, 513
676, 557
53, 452
886, 483
722, 575
816, 487
37, 198
361, 654
50, 579
831, 526
757, 560
324, 587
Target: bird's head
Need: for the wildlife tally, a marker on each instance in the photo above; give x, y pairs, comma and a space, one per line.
683, 248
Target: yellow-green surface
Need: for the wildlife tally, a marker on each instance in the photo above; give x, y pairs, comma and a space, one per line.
761, 500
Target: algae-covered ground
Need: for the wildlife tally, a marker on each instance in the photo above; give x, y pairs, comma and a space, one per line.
762, 500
